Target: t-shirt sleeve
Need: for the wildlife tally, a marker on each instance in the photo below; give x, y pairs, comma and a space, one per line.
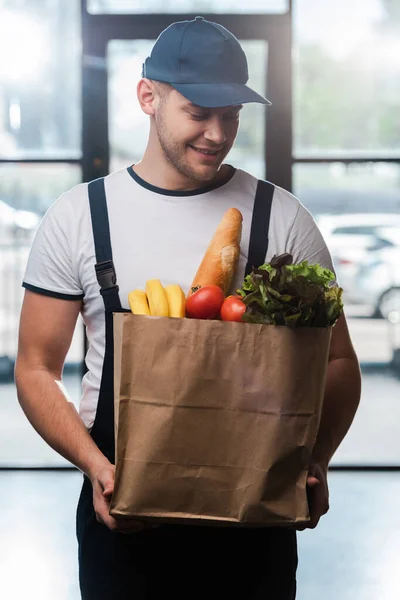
51, 267
306, 242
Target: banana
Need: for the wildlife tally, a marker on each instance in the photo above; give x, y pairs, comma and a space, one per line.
138, 302
157, 298
176, 300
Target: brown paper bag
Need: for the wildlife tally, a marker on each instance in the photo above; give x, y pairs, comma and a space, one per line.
215, 421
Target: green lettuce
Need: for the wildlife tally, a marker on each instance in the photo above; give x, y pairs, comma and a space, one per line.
296, 295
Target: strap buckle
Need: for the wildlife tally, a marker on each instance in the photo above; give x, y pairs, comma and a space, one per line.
106, 276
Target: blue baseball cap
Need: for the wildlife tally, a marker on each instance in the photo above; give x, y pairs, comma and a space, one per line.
204, 62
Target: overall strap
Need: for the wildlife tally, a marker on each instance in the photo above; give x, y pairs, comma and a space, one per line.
105, 271
258, 244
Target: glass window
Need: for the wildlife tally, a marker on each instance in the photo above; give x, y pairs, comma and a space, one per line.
337, 188
346, 78
33, 187
129, 125
346, 200
188, 6
40, 109
26, 191
355, 230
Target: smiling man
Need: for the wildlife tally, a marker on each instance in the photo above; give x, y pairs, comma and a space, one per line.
190, 141
101, 240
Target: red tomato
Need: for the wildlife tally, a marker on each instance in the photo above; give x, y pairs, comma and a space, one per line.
205, 303
232, 309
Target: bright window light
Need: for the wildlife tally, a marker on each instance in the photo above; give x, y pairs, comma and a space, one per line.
15, 116
23, 49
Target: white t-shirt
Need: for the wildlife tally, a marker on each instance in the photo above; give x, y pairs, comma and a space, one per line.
155, 234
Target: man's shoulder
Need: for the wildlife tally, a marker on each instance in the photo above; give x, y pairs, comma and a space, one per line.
286, 201
73, 201
283, 200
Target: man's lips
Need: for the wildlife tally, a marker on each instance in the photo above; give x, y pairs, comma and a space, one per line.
206, 151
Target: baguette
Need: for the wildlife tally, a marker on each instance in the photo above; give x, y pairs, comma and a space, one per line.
220, 260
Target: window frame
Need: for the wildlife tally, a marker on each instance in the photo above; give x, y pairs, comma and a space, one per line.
275, 29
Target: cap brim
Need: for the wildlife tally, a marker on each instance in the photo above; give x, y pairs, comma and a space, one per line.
216, 95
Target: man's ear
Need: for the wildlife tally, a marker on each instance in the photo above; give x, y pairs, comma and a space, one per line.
147, 96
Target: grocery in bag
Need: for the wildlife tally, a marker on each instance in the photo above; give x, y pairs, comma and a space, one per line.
216, 418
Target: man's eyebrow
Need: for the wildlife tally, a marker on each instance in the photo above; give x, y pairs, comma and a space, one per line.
191, 106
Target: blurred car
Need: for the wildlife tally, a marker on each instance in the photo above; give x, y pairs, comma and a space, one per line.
16, 224
351, 238
354, 228
377, 282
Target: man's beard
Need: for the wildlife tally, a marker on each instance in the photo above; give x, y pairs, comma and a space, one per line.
174, 155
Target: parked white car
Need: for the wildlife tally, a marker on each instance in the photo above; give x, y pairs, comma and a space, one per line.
352, 239
377, 282
16, 224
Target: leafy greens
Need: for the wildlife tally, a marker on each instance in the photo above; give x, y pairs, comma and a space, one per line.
297, 295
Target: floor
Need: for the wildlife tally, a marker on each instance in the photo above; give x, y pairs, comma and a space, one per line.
353, 554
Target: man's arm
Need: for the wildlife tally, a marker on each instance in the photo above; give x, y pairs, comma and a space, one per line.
342, 394
46, 329
341, 400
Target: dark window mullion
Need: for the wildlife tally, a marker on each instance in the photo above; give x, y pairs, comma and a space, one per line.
145, 26
278, 135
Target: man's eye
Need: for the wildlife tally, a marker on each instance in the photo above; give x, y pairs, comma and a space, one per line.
198, 117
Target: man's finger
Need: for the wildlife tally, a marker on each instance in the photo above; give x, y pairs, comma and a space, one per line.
128, 527
118, 526
311, 524
314, 502
312, 481
108, 490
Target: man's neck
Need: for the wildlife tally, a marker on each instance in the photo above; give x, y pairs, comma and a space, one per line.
167, 178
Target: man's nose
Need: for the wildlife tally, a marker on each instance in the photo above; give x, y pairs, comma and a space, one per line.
215, 131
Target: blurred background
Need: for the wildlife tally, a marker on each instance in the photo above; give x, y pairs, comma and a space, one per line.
68, 113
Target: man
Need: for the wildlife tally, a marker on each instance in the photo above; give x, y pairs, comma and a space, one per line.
161, 214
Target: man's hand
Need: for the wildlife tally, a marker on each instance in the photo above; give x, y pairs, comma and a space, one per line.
318, 495
103, 487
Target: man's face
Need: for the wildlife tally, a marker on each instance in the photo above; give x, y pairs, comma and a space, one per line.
195, 140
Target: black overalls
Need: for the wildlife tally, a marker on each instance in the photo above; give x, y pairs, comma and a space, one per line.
180, 561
